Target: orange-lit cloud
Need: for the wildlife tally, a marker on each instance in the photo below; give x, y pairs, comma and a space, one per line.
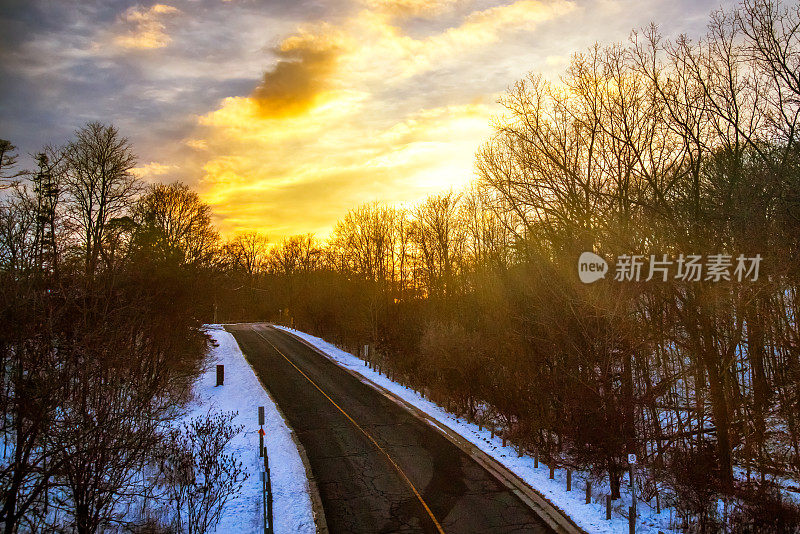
392, 53
144, 28
285, 176
486, 26
300, 79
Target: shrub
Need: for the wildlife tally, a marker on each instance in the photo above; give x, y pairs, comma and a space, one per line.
197, 472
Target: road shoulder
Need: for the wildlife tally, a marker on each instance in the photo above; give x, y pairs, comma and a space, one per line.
242, 392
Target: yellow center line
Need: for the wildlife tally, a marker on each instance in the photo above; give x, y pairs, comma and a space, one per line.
369, 437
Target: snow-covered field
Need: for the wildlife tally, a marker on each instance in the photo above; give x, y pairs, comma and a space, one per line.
243, 392
590, 517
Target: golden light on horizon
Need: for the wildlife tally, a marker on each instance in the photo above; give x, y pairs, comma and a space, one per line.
250, 183
330, 127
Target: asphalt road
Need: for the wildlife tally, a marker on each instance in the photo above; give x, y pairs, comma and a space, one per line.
378, 468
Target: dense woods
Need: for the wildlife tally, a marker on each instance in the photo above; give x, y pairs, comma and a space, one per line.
652, 147
99, 337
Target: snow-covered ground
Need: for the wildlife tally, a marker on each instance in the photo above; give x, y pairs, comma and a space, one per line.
590, 517
243, 392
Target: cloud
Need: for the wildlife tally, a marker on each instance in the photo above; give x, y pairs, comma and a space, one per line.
320, 134
409, 8
301, 78
488, 25
478, 29
144, 28
384, 51
153, 170
196, 144
301, 173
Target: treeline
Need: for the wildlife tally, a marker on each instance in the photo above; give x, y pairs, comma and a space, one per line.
657, 149
99, 337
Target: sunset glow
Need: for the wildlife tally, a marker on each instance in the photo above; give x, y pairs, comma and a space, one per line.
284, 116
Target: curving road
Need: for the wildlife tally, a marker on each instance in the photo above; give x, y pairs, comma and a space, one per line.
378, 468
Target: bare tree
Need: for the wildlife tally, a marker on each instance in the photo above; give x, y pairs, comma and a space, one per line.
200, 474
99, 184
366, 241
438, 236
772, 31
17, 232
295, 254
247, 251
173, 220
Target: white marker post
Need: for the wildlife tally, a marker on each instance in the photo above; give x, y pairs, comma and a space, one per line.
261, 432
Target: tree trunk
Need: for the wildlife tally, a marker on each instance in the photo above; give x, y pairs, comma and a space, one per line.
755, 349
614, 479
719, 410
629, 428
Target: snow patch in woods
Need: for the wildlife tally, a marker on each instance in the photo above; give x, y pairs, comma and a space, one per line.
243, 392
590, 517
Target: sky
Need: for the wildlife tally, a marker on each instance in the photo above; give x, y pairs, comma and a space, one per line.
285, 114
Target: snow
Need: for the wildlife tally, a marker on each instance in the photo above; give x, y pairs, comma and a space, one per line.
590, 517
243, 392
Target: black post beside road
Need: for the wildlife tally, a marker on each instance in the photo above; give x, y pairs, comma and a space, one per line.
269, 494
220, 374
633, 490
265, 478
632, 520
264, 497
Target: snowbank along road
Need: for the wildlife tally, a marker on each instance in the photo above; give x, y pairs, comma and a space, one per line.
378, 468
